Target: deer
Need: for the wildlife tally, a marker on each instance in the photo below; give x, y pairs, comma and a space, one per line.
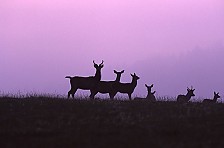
187, 97
85, 83
150, 96
127, 88
107, 86
214, 100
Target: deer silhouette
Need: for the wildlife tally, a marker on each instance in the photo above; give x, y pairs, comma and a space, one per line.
85, 83
127, 88
214, 100
107, 86
150, 96
187, 97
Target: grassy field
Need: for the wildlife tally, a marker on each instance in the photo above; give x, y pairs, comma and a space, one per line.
57, 122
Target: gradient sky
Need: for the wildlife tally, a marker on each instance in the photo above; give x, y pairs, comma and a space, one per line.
171, 43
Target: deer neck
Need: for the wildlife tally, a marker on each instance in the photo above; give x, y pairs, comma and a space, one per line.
188, 95
134, 82
214, 99
98, 75
148, 95
118, 78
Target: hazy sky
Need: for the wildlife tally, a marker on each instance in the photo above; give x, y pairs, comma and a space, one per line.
171, 43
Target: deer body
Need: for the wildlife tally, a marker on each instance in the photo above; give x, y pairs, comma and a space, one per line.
107, 86
85, 83
150, 96
214, 100
127, 88
187, 97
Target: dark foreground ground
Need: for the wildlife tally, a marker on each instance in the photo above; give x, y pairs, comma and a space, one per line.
54, 122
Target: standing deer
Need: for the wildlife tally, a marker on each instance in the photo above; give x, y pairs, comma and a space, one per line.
214, 100
150, 96
85, 83
107, 86
187, 97
127, 88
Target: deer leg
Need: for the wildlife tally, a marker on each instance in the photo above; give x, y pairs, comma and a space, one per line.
129, 95
73, 93
93, 93
69, 93
112, 95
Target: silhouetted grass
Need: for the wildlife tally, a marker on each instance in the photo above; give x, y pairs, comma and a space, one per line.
45, 121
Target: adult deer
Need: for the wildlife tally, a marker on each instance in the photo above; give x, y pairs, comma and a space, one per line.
150, 96
187, 97
85, 83
127, 88
214, 100
107, 86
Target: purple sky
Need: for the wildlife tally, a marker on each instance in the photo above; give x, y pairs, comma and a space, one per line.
171, 43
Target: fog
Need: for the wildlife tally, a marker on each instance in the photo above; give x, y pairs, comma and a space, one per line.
173, 44
200, 68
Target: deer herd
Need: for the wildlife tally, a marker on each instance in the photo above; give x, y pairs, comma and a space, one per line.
95, 85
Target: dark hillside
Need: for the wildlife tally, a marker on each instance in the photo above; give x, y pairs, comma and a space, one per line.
55, 122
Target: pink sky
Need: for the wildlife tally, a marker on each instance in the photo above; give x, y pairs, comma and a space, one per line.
41, 42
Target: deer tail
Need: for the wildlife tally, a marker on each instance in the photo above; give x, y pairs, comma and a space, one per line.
69, 77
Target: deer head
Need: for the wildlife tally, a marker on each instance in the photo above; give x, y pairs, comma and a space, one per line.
135, 77
216, 95
149, 88
190, 92
98, 66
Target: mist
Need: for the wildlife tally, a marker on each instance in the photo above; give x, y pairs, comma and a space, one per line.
173, 44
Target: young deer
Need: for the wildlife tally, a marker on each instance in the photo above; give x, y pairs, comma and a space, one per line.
187, 97
150, 96
107, 86
127, 88
85, 83
214, 100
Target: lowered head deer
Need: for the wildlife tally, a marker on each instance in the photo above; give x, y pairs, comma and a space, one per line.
85, 83
150, 96
187, 97
107, 86
214, 100
127, 88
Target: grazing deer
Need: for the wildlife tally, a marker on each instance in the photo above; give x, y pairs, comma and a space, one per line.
214, 100
150, 96
127, 88
187, 97
107, 86
85, 83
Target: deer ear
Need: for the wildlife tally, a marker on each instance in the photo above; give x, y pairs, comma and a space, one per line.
152, 85
146, 85
122, 71
115, 71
